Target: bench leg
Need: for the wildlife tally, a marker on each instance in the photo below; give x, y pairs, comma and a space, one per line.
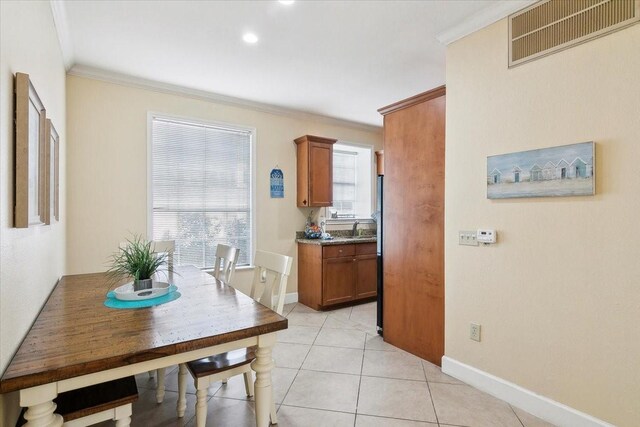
124, 422
201, 407
123, 415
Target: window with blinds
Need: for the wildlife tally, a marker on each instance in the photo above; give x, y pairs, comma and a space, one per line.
345, 183
201, 189
352, 181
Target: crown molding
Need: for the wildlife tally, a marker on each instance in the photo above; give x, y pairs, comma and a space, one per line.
416, 99
62, 29
171, 89
485, 17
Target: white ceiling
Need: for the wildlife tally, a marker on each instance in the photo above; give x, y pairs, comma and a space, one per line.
341, 59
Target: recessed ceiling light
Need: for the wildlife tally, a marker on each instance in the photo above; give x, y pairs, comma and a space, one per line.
250, 38
286, 2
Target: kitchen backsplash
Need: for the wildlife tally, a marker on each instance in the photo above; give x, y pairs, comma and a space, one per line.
344, 233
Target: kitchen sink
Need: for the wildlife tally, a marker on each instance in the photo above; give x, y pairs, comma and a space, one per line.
353, 237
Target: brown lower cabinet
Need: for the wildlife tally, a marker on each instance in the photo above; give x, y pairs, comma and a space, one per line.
336, 274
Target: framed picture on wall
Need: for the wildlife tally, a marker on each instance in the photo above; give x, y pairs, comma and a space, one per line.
566, 170
52, 163
30, 170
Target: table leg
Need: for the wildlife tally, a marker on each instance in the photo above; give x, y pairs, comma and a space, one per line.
160, 387
263, 388
39, 401
182, 390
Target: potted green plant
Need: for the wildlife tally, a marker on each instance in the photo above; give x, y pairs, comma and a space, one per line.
138, 260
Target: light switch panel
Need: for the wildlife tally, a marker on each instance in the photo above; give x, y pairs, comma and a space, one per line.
468, 238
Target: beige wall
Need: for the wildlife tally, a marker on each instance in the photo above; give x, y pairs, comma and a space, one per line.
32, 259
558, 297
107, 152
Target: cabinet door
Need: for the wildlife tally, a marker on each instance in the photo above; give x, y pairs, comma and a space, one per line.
338, 280
320, 174
366, 276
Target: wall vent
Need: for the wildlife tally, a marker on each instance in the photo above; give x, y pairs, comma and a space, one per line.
552, 25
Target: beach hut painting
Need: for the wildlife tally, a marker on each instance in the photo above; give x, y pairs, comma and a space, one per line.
567, 170
495, 177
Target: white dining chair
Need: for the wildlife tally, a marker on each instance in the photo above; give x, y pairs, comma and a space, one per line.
225, 266
270, 292
225, 263
165, 247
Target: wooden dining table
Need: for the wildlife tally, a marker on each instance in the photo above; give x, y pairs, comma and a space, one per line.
76, 341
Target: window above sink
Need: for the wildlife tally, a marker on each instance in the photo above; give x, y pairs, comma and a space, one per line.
353, 182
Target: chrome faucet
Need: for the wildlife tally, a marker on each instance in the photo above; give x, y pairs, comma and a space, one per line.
355, 228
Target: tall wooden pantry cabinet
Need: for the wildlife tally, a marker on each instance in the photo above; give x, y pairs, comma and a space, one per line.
413, 251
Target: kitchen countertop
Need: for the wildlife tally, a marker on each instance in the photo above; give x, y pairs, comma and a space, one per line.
338, 241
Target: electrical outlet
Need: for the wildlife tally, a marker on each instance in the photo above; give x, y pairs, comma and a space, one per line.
468, 238
474, 332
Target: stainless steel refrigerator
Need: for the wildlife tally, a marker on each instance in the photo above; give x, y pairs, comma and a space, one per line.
379, 194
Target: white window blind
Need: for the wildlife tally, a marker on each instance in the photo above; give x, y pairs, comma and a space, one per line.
345, 183
201, 189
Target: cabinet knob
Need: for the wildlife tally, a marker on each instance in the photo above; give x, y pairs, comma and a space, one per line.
304, 202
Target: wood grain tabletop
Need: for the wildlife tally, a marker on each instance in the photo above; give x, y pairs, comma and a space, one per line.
75, 334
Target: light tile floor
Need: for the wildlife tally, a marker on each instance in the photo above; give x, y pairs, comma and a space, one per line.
332, 369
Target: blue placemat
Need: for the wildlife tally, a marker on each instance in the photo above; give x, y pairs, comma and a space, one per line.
112, 302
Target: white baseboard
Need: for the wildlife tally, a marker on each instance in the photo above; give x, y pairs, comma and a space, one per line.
540, 406
291, 298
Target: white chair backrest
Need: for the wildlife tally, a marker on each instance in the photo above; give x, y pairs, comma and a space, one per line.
225, 264
165, 247
269, 264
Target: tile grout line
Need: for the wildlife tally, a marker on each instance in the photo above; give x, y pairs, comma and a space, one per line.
433, 405
369, 415
514, 413
318, 409
350, 312
355, 419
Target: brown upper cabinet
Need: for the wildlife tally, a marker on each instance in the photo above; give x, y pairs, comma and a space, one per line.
315, 171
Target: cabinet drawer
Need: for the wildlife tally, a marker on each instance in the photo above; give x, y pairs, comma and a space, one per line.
338, 251
366, 248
